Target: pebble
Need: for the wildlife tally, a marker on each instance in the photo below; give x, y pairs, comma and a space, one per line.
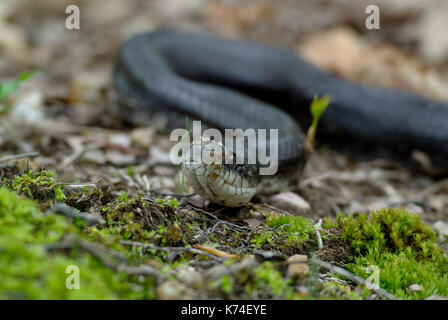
189, 275
290, 202
269, 255
29, 108
415, 288
298, 266
120, 139
441, 228
436, 297
142, 137
297, 258
118, 158
171, 290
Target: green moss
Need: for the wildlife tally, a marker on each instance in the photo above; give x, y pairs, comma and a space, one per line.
401, 246
130, 170
123, 197
38, 185
226, 284
264, 238
298, 229
262, 282
45, 187
398, 243
139, 220
28, 271
173, 203
337, 291
269, 278
287, 234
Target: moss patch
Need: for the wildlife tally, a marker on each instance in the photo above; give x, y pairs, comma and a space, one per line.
45, 187
144, 230
262, 282
287, 234
28, 271
401, 246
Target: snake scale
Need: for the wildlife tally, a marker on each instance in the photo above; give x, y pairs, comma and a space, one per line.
236, 84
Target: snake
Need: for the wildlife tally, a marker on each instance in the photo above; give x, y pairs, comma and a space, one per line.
236, 84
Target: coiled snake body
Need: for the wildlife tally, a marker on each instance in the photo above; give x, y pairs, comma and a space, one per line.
231, 84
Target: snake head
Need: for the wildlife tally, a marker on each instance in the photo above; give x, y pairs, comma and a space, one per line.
218, 174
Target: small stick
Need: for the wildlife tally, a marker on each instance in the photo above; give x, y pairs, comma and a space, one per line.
168, 249
20, 156
174, 195
91, 184
350, 276
70, 212
215, 252
104, 255
232, 225
318, 226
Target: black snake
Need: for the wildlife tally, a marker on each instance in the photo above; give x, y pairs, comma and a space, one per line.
233, 84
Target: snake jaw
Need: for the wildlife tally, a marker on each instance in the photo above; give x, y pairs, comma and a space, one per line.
219, 183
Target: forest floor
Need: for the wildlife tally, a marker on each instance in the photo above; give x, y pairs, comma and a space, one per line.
105, 197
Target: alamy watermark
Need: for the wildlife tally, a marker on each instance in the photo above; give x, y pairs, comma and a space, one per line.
251, 146
373, 20
373, 281
72, 282
73, 22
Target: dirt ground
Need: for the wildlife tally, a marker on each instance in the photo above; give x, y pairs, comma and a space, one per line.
72, 93
68, 111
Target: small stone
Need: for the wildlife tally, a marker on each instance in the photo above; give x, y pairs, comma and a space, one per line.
118, 158
159, 155
120, 139
95, 156
298, 270
269, 255
142, 138
436, 297
415, 288
29, 108
413, 208
171, 290
438, 202
297, 266
290, 202
196, 201
253, 222
297, 258
189, 275
441, 228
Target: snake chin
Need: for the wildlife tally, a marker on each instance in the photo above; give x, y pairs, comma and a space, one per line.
231, 185
218, 185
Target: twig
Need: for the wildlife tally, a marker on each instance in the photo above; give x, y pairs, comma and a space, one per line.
350, 276
70, 212
20, 156
91, 184
233, 225
318, 226
99, 254
104, 256
174, 195
169, 249
277, 209
216, 252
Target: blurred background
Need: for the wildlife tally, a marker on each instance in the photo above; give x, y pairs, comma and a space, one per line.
410, 50
73, 91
